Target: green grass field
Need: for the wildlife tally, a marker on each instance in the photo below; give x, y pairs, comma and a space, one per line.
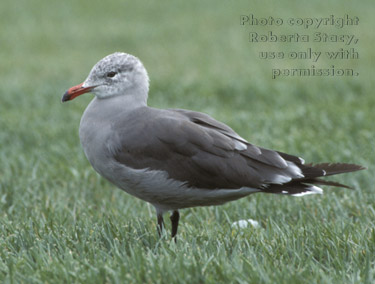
62, 223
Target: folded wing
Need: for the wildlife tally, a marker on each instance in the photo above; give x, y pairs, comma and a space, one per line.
196, 149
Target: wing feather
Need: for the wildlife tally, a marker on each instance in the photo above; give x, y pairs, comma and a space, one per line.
196, 149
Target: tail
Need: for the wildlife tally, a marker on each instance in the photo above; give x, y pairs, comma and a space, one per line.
312, 177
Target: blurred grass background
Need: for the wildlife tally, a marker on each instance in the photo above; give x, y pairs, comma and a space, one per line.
61, 222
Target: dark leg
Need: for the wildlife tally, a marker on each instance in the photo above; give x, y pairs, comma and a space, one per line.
175, 217
160, 224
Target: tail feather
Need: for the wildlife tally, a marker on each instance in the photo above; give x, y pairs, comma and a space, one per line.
306, 185
293, 188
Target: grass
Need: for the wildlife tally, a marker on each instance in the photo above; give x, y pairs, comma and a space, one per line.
62, 223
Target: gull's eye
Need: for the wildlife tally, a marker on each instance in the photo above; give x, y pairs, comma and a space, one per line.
111, 74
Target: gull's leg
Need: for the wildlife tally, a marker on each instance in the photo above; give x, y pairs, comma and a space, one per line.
160, 223
175, 217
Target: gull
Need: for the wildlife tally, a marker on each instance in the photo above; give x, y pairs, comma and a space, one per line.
176, 158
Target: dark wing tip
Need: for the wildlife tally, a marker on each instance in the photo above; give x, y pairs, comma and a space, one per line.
337, 168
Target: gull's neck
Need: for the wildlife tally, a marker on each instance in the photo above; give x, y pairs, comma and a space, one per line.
102, 110
122, 101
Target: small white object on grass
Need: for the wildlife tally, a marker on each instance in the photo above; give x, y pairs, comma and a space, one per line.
242, 224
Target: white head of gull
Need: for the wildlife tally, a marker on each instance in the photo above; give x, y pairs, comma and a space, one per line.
175, 158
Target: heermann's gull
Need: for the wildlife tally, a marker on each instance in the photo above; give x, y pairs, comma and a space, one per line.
175, 158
